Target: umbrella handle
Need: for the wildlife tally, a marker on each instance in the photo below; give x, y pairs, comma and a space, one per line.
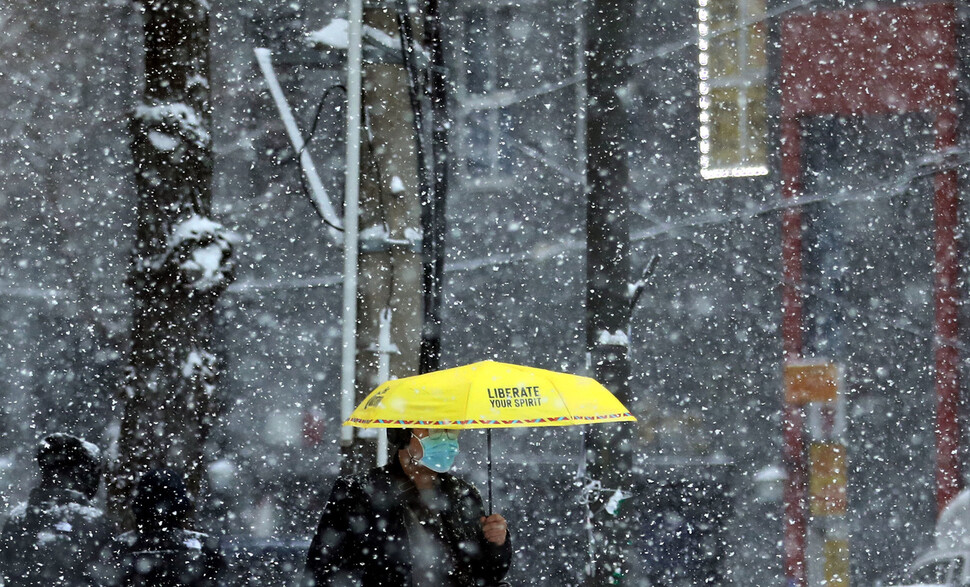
488, 441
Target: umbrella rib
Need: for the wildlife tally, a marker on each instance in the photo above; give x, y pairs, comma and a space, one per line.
565, 405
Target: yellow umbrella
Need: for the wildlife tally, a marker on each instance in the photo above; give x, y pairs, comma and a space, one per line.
488, 395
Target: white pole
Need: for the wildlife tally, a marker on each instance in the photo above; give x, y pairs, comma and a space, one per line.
317, 191
355, 20
384, 349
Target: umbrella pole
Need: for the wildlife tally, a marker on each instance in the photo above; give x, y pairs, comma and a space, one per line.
488, 441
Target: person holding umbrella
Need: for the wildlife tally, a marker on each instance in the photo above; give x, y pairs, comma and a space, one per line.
409, 523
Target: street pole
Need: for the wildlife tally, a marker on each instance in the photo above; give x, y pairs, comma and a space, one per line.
946, 289
796, 520
351, 211
610, 447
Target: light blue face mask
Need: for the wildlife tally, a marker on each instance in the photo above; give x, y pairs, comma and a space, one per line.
440, 448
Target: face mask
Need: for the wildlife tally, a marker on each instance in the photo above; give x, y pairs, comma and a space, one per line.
440, 448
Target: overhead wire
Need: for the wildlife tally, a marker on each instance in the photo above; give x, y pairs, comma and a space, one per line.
871, 191
933, 163
520, 96
936, 162
306, 143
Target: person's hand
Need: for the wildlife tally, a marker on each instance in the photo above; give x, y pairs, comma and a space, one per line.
495, 528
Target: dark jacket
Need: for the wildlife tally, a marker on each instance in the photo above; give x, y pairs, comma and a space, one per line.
168, 558
55, 539
364, 532
161, 553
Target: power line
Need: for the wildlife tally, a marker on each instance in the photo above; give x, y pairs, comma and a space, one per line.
892, 187
675, 46
897, 185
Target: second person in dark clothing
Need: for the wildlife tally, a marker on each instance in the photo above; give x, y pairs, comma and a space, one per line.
161, 552
409, 524
57, 537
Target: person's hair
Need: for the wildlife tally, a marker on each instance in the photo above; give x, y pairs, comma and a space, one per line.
398, 438
70, 462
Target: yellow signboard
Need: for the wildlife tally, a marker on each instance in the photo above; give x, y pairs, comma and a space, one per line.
827, 480
811, 382
837, 563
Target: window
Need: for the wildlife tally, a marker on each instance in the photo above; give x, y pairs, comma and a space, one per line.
733, 120
487, 32
511, 101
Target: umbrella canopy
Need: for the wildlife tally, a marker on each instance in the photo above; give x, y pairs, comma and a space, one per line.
489, 395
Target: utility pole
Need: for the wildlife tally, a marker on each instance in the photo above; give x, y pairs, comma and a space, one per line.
181, 261
609, 447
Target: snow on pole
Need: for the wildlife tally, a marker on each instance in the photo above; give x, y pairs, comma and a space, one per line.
317, 191
351, 210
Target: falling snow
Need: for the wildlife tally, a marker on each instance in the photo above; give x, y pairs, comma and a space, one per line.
747, 222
